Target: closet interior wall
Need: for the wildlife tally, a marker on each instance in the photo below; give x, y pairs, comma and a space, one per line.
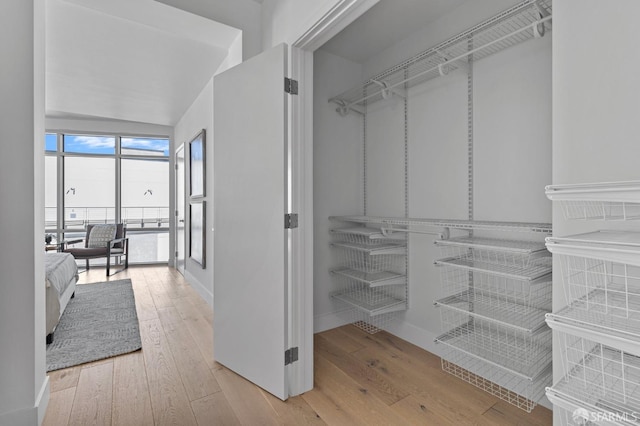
511, 141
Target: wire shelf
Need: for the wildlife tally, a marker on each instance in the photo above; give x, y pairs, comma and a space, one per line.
362, 235
382, 258
371, 302
372, 279
535, 271
503, 290
599, 378
497, 308
544, 228
494, 251
506, 29
525, 355
522, 393
598, 201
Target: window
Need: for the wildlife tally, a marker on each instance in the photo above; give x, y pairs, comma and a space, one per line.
102, 145
105, 179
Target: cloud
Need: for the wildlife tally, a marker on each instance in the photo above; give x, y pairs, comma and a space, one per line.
155, 144
95, 141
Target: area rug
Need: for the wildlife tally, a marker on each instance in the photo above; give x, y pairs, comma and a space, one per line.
98, 323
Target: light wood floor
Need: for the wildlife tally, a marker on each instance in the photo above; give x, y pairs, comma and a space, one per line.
360, 379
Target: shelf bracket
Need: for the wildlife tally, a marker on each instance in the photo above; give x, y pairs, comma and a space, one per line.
344, 108
442, 235
446, 66
387, 92
538, 26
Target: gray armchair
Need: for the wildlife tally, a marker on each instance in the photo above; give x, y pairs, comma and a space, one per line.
103, 241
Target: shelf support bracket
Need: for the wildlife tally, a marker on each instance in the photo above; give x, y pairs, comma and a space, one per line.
442, 235
538, 26
387, 92
344, 108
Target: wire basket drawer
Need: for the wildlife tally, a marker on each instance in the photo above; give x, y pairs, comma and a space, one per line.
512, 388
598, 201
492, 251
601, 280
521, 353
360, 257
496, 289
599, 379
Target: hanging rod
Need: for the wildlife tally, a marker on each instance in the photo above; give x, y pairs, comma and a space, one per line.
535, 27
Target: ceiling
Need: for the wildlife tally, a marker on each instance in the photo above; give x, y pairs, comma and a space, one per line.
134, 60
385, 24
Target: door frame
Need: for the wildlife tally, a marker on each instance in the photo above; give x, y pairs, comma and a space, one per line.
175, 215
300, 128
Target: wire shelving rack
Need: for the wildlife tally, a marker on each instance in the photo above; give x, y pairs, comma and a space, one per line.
370, 276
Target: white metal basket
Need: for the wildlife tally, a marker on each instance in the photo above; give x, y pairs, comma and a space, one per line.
510, 295
509, 387
362, 235
492, 251
599, 379
361, 257
523, 354
601, 281
600, 201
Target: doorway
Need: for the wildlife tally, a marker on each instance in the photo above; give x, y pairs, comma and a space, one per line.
179, 233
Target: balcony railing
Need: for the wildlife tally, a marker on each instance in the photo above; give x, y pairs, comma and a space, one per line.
133, 217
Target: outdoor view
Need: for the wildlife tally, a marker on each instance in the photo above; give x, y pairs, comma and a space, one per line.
82, 177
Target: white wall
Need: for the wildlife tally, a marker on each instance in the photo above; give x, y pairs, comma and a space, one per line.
24, 390
337, 154
245, 15
512, 148
595, 107
199, 116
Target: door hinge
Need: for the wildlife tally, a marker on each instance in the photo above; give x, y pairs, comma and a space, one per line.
176, 255
290, 220
290, 356
175, 166
291, 86
176, 213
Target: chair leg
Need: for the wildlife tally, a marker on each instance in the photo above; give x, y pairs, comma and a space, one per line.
87, 264
108, 264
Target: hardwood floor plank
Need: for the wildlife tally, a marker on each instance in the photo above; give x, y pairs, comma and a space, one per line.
200, 329
169, 399
214, 409
341, 339
358, 370
294, 411
196, 375
93, 396
131, 398
414, 412
503, 413
59, 409
438, 391
63, 379
245, 398
349, 396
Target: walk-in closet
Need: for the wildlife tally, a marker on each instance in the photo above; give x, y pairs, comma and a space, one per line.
431, 155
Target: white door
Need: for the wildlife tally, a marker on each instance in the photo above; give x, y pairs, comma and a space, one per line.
180, 243
250, 241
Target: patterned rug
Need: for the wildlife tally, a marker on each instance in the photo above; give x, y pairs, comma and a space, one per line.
99, 322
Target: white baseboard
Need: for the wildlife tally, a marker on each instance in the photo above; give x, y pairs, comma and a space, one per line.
327, 321
42, 402
203, 291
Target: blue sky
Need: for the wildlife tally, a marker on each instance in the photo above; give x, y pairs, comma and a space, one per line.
104, 144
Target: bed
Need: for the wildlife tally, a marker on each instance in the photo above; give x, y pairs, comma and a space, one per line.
61, 275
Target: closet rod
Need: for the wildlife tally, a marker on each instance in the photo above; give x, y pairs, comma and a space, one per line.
533, 26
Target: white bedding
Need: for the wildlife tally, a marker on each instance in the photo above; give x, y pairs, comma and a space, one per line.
61, 275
